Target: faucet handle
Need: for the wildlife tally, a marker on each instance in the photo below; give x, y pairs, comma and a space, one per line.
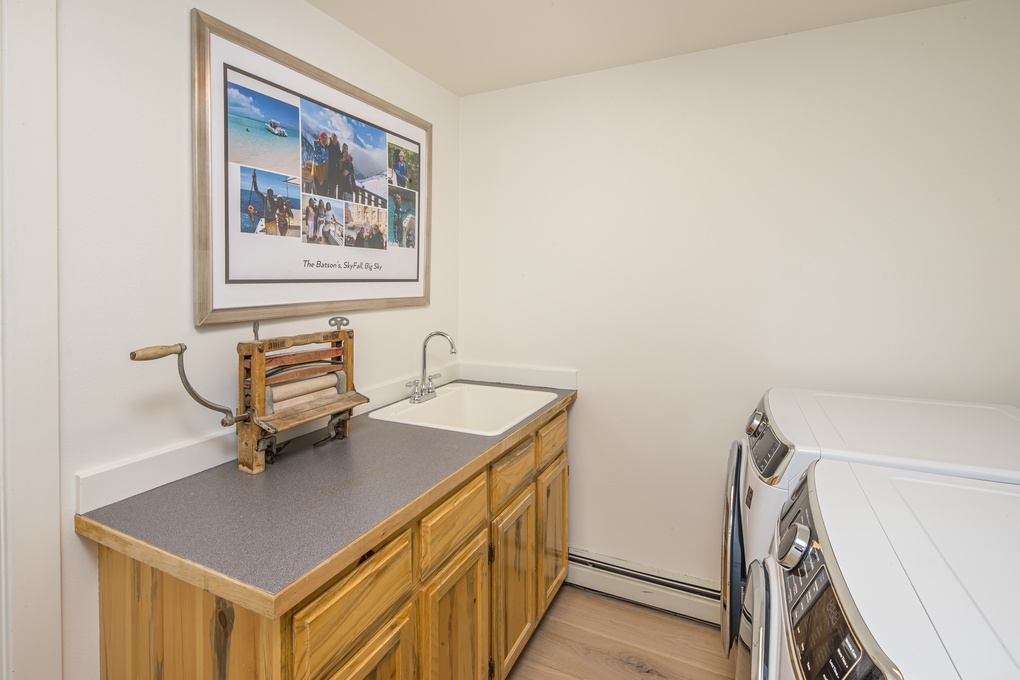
429, 388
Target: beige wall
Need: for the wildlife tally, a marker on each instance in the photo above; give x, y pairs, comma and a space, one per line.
834, 209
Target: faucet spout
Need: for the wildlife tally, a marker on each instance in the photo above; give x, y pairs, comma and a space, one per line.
425, 391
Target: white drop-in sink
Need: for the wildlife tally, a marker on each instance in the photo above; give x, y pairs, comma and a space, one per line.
461, 407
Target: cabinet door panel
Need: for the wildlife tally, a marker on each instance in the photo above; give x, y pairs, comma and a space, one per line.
552, 551
455, 617
387, 656
514, 579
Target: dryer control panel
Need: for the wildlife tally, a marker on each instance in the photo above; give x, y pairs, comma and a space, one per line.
768, 451
822, 638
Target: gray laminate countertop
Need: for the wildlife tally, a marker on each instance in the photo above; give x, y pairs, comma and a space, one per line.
269, 529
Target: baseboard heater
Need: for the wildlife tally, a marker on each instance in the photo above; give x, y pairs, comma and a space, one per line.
643, 585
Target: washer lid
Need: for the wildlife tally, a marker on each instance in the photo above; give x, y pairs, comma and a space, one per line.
954, 541
979, 441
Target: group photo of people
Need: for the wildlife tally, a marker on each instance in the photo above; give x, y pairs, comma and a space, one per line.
269, 210
322, 223
365, 227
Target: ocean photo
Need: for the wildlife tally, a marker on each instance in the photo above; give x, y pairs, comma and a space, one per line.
262, 131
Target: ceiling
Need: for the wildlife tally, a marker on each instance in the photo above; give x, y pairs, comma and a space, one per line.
473, 46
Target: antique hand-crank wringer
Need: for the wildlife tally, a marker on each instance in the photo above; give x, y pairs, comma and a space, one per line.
278, 390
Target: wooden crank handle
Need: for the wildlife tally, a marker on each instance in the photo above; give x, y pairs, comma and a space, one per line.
157, 352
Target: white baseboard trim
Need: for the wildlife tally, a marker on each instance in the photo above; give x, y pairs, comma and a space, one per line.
643, 585
122, 479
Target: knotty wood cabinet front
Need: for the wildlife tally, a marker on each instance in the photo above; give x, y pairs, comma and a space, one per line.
552, 531
387, 656
455, 617
514, 582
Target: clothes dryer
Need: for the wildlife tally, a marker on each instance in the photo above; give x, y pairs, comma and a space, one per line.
791, 428
886, 574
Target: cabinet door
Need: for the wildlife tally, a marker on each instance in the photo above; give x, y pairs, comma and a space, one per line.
455, 617
387, 656
514, 577
552, 532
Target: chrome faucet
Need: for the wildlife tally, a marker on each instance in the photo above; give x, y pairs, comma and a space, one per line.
423, 389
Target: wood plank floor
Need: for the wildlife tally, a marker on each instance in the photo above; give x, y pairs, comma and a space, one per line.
589, 636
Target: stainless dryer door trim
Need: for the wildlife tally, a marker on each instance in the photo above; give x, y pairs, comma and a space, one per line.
752, 645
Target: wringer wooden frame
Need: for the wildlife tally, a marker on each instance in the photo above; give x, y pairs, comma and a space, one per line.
278, 390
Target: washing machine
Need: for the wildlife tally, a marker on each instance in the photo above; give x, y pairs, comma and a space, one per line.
878, 573
791, 428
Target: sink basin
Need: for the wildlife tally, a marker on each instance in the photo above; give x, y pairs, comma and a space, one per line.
476, 409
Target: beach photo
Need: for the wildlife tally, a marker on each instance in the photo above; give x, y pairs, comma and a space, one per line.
270, 203
262, 129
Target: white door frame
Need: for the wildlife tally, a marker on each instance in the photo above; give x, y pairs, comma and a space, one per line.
29, 345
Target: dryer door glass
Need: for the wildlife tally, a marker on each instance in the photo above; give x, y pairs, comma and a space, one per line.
731, 577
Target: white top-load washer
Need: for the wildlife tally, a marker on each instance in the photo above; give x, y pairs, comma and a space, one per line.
791, 428
879, 573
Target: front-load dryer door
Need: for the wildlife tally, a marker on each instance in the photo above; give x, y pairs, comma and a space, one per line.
731, 578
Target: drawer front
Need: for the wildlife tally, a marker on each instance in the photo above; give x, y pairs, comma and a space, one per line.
450, 525
550, 440
327, 630
511, 472
389, 655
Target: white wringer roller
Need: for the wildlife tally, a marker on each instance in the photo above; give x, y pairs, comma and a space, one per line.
279, 388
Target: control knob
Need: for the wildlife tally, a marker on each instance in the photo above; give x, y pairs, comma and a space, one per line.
792, 545
754, 424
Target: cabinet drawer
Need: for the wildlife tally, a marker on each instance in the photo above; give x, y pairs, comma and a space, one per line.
390, 654
327, 630
450, 525
550, 440
511, 472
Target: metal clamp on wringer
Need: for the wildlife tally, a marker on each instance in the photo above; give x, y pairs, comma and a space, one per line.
278, 390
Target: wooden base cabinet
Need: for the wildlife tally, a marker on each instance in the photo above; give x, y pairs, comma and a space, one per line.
453, 591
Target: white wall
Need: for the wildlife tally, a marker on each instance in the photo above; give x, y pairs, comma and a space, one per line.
125, 243
834, 209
